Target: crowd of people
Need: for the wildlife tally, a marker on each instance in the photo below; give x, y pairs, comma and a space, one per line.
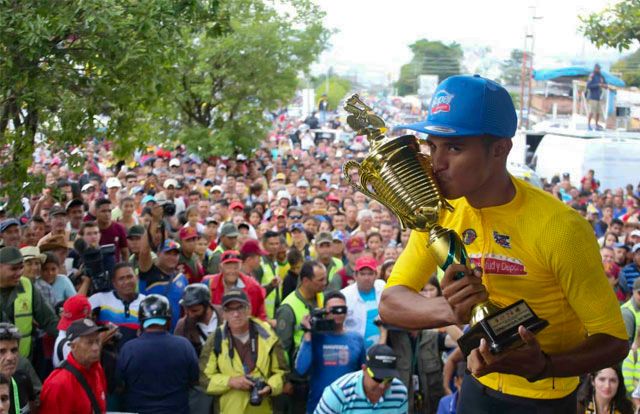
173, 284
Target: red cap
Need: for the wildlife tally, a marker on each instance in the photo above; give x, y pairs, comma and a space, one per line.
333, 198
252, 247
187, 233
355, 245
74, 308
366, 261
230, 256
236, 204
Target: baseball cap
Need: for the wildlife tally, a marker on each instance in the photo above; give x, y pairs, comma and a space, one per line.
236, 204
57, 211
210, 220
297, 226
83, 327
187, 233
636, 284
280, 176
74, 308
324, 237
207, 181
234, 295
283, 194
366, 262
216, 188
73, 203
170, 182
148, 198
241, 157
229, 229
113, 182
621, 245
338, 236
135, 231
332, 198
467, 105
174, 162
381, 360
355, 244
137, 189
169, 245
302, 183
252, 247
5, 224
87, 186
32, 252
10, 255
230, 256
635, 248
635, 233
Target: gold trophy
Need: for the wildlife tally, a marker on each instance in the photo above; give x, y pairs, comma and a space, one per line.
399, 176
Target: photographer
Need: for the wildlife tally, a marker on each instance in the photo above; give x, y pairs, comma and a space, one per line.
328, 354
247, 365
110, 231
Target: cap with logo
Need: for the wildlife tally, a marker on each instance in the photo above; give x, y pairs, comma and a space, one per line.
234, 295
83, 327
10, 256
469, 106
74, 308
32, 252
169, 245
229, 229
188, 233
5, 224
381, 360
366, 262
355, 244
230, 256
323, 237
252, 247
135, 231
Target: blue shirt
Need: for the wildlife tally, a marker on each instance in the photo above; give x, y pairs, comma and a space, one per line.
346, 395
329, 356
593, 85
448, 404
157, 370
62, 288
371, 331
170, 286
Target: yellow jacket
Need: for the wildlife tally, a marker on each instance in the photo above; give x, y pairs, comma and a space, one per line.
270, 366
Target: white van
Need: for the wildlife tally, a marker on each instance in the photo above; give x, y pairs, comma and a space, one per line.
613, 155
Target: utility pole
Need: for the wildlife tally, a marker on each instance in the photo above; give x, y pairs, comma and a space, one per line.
527, 67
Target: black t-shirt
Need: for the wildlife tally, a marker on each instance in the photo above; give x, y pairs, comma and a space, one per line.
26, 392
154, 275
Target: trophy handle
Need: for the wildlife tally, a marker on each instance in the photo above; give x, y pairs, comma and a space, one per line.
365, 178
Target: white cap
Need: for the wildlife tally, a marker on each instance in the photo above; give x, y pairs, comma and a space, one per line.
635, 233
216, 188
113, 182
174, 162
170, 182
283, 194
302, 183
87, 186
241, 157
635, 248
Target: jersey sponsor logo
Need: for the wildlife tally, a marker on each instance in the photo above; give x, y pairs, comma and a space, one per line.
441, 102
469, 236
502, 239
500, 265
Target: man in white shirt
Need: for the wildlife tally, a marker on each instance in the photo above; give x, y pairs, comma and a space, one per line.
363, 298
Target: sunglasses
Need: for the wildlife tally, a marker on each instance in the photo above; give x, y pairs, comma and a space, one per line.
338, 310
379, 380
231, 256
295, 217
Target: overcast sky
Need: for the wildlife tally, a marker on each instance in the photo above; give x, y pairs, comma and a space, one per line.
373, 35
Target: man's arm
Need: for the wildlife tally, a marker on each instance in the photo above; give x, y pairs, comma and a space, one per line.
145, 261
303, 358
279, 369
284, 329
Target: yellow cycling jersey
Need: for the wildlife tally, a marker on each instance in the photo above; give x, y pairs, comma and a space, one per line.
537, 249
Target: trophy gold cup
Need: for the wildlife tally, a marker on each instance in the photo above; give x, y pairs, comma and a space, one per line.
399, 176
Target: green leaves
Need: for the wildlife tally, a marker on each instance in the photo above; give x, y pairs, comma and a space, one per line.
616, 26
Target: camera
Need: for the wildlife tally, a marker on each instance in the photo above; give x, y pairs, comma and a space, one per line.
98, 264
320, 323
255, 398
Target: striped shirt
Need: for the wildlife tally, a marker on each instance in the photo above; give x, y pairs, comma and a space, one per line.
346, 395
111, 309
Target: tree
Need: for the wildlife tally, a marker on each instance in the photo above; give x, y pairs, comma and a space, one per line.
629, 68
512, 68
229, 82
429, 58
70, 68
616, 26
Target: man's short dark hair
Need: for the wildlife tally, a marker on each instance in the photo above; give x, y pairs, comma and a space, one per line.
269, 234
616, 221
333, 295
307, 269
120, 265
101, 202
294, 256
86, 224
37, 219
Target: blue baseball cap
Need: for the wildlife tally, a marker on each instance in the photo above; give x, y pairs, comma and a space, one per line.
297, 226
469, 106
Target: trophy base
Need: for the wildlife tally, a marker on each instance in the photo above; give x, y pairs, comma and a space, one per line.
500, 329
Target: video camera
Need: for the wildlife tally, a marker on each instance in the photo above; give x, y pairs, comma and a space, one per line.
319, 321
98, 264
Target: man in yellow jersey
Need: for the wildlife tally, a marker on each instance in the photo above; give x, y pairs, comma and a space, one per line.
526, 245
